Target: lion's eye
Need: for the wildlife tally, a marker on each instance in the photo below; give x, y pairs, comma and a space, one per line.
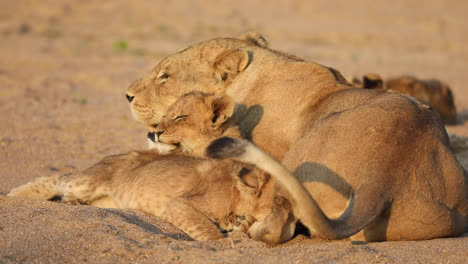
164, 76
155, 125
177, 118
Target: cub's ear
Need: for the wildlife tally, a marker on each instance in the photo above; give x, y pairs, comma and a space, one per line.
222, 107
229, 63
446, 91
255, 38
372, 81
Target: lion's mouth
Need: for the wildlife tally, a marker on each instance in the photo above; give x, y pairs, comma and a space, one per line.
162, 147
174, 144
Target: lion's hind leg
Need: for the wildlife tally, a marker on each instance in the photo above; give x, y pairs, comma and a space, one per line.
83, 188
424, 218
44, 188
193, 222
73, 188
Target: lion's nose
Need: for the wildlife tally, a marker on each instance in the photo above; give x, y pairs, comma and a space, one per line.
151, 136
129, 98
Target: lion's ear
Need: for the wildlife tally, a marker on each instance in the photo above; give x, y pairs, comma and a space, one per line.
255, 38
229, 63
223, 108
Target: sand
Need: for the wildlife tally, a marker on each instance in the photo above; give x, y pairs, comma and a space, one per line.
64, 68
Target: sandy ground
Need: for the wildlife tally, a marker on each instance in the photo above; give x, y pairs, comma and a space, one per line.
64, 67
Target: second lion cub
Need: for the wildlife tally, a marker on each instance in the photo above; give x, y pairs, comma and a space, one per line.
192, 193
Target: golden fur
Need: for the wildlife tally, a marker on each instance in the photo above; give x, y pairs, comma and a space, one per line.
384, 152
432, 92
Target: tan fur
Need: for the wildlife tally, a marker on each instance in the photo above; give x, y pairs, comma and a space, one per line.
274, 87
189, 192
432, 92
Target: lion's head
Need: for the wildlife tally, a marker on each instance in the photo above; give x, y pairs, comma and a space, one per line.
192, 122
208, 66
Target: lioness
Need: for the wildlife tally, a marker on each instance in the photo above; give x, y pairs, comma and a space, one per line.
432, 92
189, 192
388, 144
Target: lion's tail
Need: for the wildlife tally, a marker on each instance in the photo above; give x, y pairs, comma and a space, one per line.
44, 188
354, 219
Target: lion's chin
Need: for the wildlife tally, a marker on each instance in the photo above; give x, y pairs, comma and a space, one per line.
161, 147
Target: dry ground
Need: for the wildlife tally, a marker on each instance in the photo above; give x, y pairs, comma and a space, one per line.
64, 67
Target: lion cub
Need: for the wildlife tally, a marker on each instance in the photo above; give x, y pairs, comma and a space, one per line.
191, 124
431, 92
190, 192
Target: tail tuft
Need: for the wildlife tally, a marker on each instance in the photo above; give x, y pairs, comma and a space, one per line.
226, 147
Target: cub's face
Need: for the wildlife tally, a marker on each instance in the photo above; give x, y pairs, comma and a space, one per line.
191, 123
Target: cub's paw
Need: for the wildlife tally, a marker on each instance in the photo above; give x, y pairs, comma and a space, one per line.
235, 222
243, 223
67, 199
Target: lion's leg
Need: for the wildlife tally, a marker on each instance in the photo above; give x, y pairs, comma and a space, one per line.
83, 188
188, 219
74, 189
423, 218
41, 188
376, 230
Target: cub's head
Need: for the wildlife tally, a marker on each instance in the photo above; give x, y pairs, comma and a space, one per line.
192, 122
209, 66
432, 92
